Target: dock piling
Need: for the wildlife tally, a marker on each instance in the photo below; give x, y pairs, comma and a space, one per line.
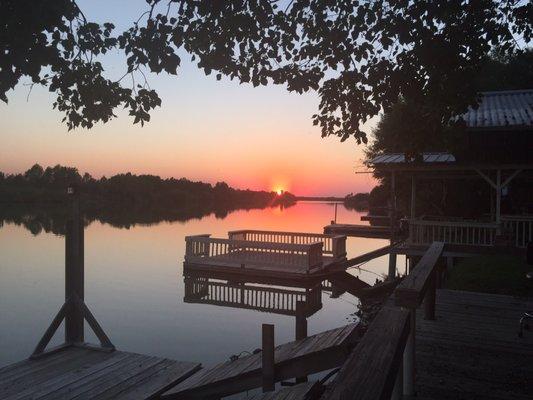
267, 357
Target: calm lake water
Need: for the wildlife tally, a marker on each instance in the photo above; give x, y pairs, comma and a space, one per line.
134, 286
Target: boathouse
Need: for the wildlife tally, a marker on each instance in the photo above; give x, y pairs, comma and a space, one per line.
498, 149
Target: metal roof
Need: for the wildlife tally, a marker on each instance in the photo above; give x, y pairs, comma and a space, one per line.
510, 109
396, 158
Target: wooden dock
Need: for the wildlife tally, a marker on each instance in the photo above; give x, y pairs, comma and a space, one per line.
302, 357
286, 255
369, 231
80, 373
462, 345
301, 391
472, 350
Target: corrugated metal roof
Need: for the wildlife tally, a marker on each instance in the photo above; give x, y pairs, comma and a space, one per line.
396, 158
510, 109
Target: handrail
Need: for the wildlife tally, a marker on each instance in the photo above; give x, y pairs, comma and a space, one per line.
382, 366
199, 248
370, 372
411, 291
333, 244
453, 232
475, 224
238, 244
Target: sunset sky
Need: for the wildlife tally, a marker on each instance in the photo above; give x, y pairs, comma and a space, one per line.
209, 130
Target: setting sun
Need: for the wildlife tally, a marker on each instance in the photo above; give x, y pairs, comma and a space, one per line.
279, 191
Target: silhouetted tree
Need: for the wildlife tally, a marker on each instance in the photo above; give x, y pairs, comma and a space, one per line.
361, 56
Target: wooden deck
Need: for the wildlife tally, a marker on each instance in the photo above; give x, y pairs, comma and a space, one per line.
79, 373
301, 391
313, 354
356, 230
261, 265
472, 350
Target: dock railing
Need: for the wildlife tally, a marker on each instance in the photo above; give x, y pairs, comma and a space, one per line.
334, 245
471, 233
519, 228
382, 366
302, 256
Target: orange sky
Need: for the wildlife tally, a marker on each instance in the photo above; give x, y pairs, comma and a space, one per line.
209, 130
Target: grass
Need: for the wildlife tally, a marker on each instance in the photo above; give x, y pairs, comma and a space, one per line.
501, 274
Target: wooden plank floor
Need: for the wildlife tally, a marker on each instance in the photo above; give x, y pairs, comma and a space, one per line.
77, 373
300, 391
315, 353
472, 350
262, 265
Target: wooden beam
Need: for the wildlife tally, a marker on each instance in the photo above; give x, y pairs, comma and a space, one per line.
51, 329
95, 326
511, 177
452, 167
410, 292
370, 371
267, 358
489, 181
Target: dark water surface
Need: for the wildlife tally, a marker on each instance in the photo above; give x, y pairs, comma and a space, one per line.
134, 286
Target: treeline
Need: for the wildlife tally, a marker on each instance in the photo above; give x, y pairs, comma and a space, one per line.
123, 199
358, 201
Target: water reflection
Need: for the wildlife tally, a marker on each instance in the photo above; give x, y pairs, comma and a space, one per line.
52, 217
277, 300
135, 287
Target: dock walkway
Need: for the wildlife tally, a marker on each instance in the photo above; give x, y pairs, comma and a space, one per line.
81, 373
472, 351
313, 354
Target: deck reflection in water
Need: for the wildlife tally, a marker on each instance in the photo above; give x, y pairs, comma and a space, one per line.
303, 301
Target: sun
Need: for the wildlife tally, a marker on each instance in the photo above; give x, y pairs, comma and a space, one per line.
279, 191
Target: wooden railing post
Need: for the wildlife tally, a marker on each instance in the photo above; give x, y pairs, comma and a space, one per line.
392, 265
429, 300
301, 329
74, 271
267, 357
409, 372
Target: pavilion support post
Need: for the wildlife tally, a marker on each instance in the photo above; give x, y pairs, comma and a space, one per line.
409, 357
498, 199
413, 197
392, 265
74, 273
392, 211
267, 358
301, 329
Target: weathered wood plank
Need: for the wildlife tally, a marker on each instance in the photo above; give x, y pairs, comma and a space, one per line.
76, 373
370, 371
410, 292
313, 354
301, 391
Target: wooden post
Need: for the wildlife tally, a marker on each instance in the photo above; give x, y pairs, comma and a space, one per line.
392, 206
392, 265
301, 329
498, 199
413, 197
74, 272
409, 357
267, 358
397, 392
429, 300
